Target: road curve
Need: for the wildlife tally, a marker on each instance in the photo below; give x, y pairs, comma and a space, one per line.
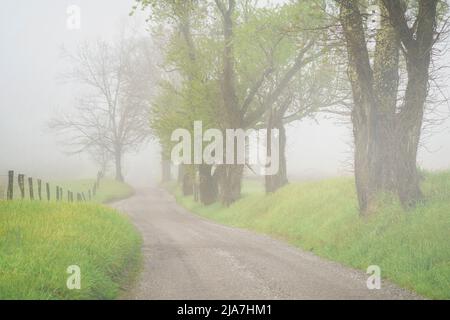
188, 257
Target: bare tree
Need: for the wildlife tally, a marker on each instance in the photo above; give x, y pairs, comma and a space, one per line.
112, 117
101, 157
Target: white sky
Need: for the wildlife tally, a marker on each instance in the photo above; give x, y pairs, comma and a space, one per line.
32, 34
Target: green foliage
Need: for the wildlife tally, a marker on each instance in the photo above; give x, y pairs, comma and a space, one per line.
39, 241
412, 248
161, 10
266, 41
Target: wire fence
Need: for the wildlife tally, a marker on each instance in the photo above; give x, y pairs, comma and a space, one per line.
21, 187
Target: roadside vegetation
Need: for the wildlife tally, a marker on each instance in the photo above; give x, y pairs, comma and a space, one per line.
411, 247
39, 240
109, 189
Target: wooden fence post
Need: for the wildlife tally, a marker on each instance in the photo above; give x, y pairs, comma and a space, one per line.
84, 198
30, 188
47, 187
39, 185
57, 193
10, 194
21, 181
78, 197
89, 195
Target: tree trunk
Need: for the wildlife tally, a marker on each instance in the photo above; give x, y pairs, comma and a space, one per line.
180, 174
278, 180
118, 162
188, 181
386, 141
409, 132
196, 191
230, 183
408, 178
386, 84
363, 116
364, 178
208, 186
230, 176
418, 45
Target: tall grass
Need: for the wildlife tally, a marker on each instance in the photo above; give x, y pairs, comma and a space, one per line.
412, 248
40, 240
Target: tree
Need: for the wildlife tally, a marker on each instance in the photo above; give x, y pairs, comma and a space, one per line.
258, 40
234, 81
387, 131
101, 157
186, 96
112, 116
230, 176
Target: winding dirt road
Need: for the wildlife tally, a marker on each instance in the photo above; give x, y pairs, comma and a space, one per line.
188, 257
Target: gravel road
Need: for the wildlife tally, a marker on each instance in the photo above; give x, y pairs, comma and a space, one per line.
188, 257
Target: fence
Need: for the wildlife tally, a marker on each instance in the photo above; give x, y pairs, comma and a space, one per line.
23, 187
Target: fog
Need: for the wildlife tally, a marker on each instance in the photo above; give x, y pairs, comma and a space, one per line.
32, 34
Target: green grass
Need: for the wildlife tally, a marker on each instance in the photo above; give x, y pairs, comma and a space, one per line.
412, 248
109, 190
40, 240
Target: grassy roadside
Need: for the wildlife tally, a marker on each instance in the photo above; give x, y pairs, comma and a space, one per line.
412, 248
109, 190
40, 240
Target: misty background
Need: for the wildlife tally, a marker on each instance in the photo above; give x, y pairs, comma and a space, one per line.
32, 35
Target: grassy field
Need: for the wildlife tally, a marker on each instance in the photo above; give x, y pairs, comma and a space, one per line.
40, 240
412, 248
108, 191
